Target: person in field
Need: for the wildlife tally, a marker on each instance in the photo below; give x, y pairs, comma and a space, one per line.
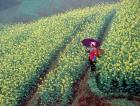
94, 51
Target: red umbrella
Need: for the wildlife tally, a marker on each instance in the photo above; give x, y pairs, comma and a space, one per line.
87, 42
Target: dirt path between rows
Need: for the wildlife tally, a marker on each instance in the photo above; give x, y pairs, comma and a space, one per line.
84, 97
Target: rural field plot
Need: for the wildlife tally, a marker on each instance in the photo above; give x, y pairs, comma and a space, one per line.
24, 57
58, 83
41, 61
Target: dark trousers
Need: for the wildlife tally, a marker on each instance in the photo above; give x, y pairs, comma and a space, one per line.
92, 65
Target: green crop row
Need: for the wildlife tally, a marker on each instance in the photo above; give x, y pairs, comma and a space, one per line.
28, 49
58, 83
120, 66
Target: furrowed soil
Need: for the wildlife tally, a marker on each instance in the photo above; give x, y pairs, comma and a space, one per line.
84, 97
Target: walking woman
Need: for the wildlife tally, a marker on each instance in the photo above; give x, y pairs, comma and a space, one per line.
93, 48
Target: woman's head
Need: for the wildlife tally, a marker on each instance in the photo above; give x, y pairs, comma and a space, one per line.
93, 44
96, 43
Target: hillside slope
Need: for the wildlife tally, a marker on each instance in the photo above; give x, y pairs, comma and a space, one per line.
28, 49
